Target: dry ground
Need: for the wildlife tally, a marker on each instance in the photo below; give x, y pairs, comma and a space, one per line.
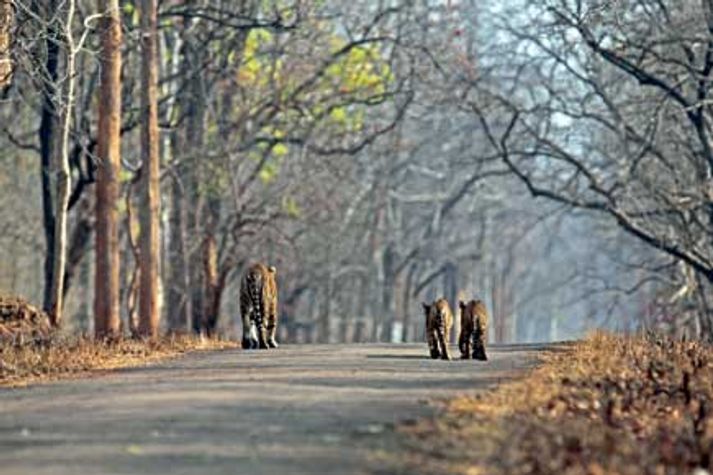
295, 410
60, 357
607, 405
30, 351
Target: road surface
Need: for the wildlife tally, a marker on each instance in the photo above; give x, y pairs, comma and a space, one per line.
295, 410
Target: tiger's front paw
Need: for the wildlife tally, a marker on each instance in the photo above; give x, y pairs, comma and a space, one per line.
445, 356
435, 354
272, 343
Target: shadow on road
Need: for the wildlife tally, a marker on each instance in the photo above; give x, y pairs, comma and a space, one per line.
399, 357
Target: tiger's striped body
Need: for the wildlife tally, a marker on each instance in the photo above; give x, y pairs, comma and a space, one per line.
258, 307
439, 320
473, 330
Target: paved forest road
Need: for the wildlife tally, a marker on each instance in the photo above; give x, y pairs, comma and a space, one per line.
295, 410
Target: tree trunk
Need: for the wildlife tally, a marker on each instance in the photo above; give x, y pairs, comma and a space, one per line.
63, 181
82, 315
407, 298
387, 294
79, 241
149, 240
106, 277
195, 105
450, 291
46, 137
324, 328
177, 302
210, 278
6, 20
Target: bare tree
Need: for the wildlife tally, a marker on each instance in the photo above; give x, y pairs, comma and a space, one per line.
608, 111
149, 303
106, 276
6, 22
63, 176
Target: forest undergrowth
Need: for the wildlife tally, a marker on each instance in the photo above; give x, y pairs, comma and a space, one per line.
606, 405
31, 352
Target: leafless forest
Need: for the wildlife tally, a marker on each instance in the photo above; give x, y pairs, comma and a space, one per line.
553, 158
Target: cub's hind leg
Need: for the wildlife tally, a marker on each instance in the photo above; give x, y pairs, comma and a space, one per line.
443, 343
433, 343
461, 344
464, 340
479, 346
464, 335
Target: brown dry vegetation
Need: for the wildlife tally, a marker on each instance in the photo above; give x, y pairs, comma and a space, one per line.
31, 352
607, 405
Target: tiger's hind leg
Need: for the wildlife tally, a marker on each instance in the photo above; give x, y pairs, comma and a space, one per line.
261, 335
443, 343
464, 342
479, 353
433, 343
249, 341
479, 346
272, 326
465, 350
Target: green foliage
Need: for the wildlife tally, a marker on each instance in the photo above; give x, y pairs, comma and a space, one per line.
343, 85
290, 206
257, 68
360, 72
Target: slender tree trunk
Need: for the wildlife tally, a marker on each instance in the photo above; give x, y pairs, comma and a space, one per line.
63, 180
6, 20
450, 291
325, 324
79, 241
387, 294
195, 105
46, 137
210, 279
150, 242
82, 316
408, 288
131, 289
106, 277
177, 293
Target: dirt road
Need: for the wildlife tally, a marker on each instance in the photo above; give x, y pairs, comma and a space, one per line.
295, 410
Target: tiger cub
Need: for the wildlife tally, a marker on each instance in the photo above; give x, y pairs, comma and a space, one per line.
258, 307
473, 330
439, 320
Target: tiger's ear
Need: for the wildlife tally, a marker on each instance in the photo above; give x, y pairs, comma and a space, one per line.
272, 269
461, 304
425, 306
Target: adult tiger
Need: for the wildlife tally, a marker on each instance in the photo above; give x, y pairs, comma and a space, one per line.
258, 307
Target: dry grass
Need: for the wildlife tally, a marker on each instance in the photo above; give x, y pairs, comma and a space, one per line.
57, 357
30, 351
608, 405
